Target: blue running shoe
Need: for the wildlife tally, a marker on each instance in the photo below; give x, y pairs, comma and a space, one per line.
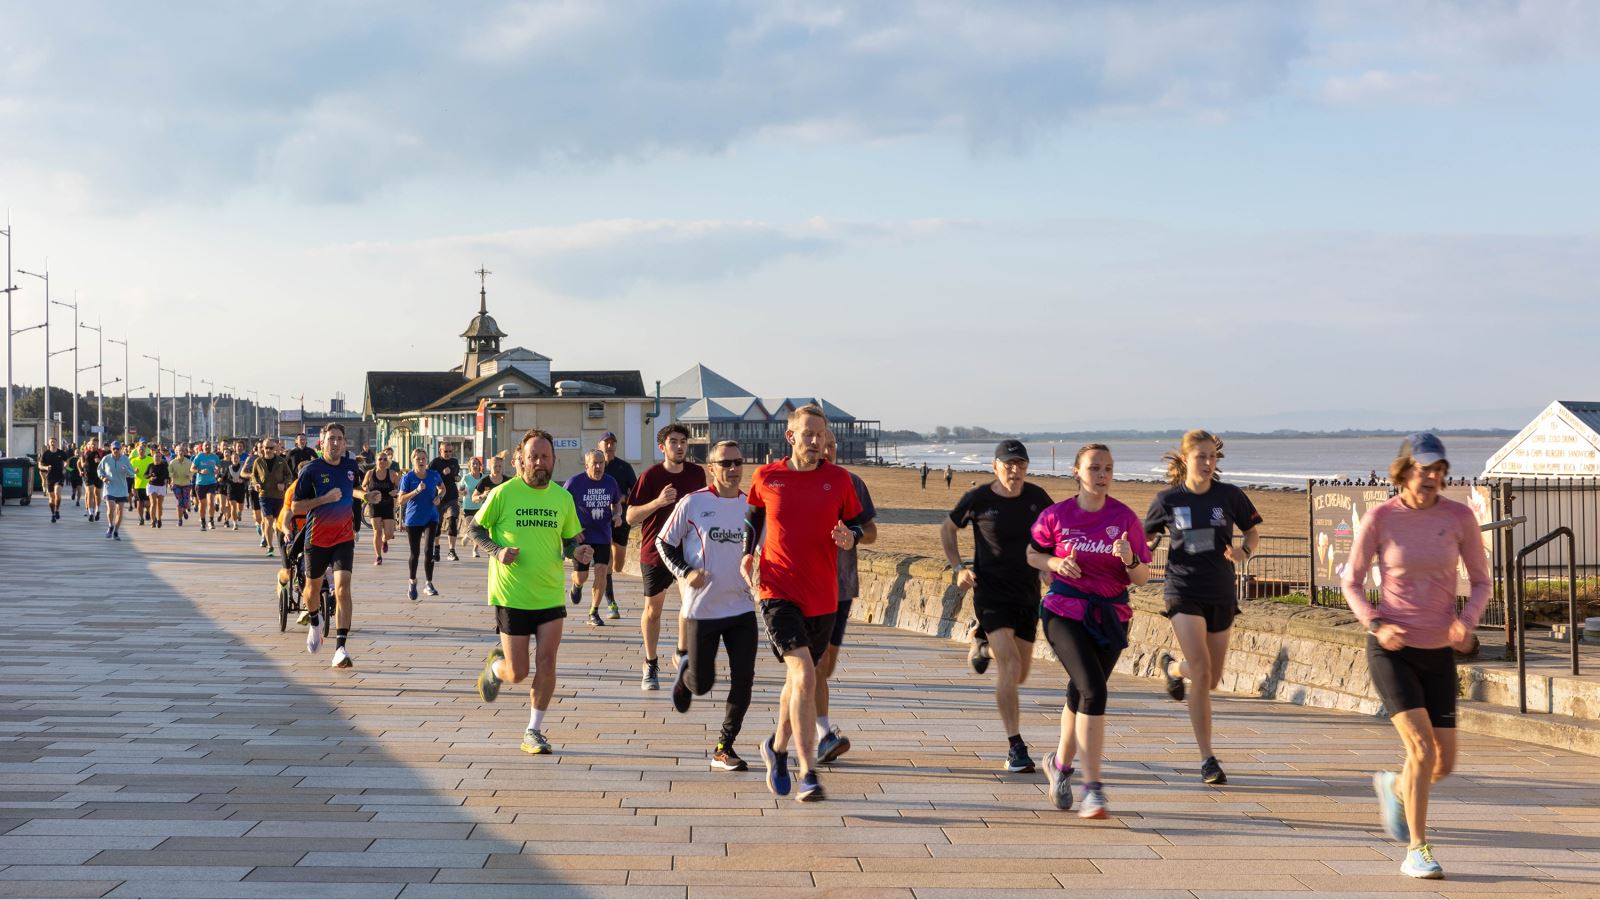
810, 789
1420, 863
1390, 809
777, 769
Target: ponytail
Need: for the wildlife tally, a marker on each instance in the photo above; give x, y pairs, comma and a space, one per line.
1177, 469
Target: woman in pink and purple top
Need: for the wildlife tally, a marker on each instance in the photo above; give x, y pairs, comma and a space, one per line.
1093, 547
1418, 538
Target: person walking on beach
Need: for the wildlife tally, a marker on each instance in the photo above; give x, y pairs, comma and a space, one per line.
1199, 515
1093, 547
1418, 539
702, 543
656, 492
1005, 587
831, 742
528, 526
805, 507
949, 476
621, 471
924, 476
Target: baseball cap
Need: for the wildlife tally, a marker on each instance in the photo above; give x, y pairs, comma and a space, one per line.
609, 436
1010, 449
1424, 447
116, 445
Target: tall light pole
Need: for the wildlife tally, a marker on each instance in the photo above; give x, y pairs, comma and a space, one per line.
10, 412
49, 423
277, 413
125, 383
189, 428
233, 412
99, 366
75, 370
255, 398
159, 370
211, 409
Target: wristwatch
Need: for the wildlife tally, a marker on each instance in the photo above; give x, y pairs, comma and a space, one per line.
1374, 625
1137, 562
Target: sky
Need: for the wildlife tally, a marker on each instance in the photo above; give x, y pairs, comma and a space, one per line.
1020, 215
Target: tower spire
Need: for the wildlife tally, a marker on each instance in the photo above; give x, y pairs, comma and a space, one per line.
483, 289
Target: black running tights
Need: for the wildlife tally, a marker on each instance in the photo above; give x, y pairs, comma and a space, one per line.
421, 538
1087, 663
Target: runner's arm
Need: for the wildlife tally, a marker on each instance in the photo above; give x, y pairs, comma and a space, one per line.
479, 536
569, 546
755, 522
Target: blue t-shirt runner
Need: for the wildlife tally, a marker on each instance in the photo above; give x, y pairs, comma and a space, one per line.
596, 501
205, 468
420, 510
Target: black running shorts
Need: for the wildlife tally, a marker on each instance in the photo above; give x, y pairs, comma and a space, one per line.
656, 578
339, 557
602, 557
1021, 617
1413, 678
524, 622
1218, 616
789, 629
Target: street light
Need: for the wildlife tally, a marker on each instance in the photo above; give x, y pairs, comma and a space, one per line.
75, 370
47, 354
277, 413
189, 427
211, 409
233, 412
255, 398
124, 344
10, 412
159, 370
100, 394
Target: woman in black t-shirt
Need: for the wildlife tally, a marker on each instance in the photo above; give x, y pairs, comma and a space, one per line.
158, 476
1198, 515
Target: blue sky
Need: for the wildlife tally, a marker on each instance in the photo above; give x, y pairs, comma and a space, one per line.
1015, 214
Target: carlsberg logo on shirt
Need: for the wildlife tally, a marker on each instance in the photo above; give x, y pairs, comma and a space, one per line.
538, 518
725, 535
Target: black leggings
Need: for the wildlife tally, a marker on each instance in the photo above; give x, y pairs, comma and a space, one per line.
1088, 664
740, 635
421, 538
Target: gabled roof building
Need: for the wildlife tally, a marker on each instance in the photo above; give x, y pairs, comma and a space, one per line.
715, 409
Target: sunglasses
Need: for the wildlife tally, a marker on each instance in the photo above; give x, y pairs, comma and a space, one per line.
728, 463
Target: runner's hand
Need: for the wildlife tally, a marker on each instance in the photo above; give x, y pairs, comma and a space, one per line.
583, 555
1390, 636
332, 496
966, 580
843, 536
507, 555
1460, 636
1067, 566
747, 569
669, 496
1236, 555
698, 578
1123, 549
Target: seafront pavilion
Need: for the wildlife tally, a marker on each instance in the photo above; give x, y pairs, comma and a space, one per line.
163, 738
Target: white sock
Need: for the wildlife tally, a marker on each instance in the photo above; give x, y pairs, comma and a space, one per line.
822, 727
536, 720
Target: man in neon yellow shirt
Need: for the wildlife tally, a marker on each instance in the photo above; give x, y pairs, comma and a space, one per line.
529, 527
140, 459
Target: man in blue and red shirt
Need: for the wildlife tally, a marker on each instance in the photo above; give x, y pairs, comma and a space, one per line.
326, 491
807, 510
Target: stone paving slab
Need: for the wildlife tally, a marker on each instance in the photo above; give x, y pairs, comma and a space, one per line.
160, 737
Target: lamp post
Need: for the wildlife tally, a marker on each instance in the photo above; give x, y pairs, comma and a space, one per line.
159, 370
188, 428
211, 409
255, 398
124, 380
99, 366
277, 413
10, 412
75, 370
48, 422
233, 408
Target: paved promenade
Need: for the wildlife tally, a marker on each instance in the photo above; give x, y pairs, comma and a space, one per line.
162, 738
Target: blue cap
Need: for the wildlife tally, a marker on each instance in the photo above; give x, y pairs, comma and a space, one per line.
1424, 447
609, 436
116, 445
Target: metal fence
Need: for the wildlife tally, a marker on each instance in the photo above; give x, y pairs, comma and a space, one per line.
1280, 566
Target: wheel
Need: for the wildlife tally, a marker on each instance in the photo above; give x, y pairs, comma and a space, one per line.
283, 607
328, 607
26, 501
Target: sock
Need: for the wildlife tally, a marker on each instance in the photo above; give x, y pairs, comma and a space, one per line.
1091, 785
340, 635
823, 727
1060, 767
316, 616
682, 653
653, 663
536, 720
1016, 740
610, 596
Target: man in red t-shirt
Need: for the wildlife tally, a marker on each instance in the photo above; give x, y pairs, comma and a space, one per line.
808, 509
654, 495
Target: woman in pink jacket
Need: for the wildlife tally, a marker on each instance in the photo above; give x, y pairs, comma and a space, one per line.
1418, 538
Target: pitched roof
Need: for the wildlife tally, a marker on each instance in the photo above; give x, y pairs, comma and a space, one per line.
465, 396
1563, 440
483, 325
626, 382
700, 381
394, 392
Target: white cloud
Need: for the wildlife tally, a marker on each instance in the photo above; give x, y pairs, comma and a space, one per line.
1377, 86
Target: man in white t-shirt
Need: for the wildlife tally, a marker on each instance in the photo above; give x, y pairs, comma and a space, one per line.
702, 543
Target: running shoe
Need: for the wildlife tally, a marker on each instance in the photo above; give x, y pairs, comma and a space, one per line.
595, 620
1094, 803
430, 590
313, 637
411, 592
116, 534
1060, 782
1390, 811
1174, 685
1018, 760
1421, 864
263, 539
488, 681
108, 531
341, 659
725, 760
377, 560
534, 741
572, 594
832, 746
978, 658
453, 557
651, 680
613, 612
435, 552
810, 789
777, 769
681, 697
305, 614
1211, 772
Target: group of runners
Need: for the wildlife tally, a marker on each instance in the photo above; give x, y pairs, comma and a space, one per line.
783, 551
208, 481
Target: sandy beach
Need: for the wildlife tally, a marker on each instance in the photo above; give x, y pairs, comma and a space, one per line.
909, 516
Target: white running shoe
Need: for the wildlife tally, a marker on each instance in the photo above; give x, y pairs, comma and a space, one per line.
341, 659
313, 638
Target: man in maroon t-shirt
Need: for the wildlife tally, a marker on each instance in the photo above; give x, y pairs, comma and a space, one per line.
651, 502
808, 509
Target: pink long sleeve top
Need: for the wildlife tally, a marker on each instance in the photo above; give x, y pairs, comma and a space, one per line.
1417, 552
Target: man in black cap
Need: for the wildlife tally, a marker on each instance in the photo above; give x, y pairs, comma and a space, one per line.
622, 473
1005, 588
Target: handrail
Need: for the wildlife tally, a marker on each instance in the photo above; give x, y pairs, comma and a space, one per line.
1572, 607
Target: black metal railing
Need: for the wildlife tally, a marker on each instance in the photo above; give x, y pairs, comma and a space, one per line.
1281, 565
1519, 629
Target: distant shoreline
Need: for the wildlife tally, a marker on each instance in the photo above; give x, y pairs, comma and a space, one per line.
1173, 434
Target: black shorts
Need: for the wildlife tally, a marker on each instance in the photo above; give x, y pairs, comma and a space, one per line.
450, 517
202, 491
619, 534
140, 495
53, 481
236, 493
1019, 615
93, 480
524, 622
254, 498
841, 619
656, 578
789, 629
1413, 678
602, 557
339, 557
383, 509
1218, 616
